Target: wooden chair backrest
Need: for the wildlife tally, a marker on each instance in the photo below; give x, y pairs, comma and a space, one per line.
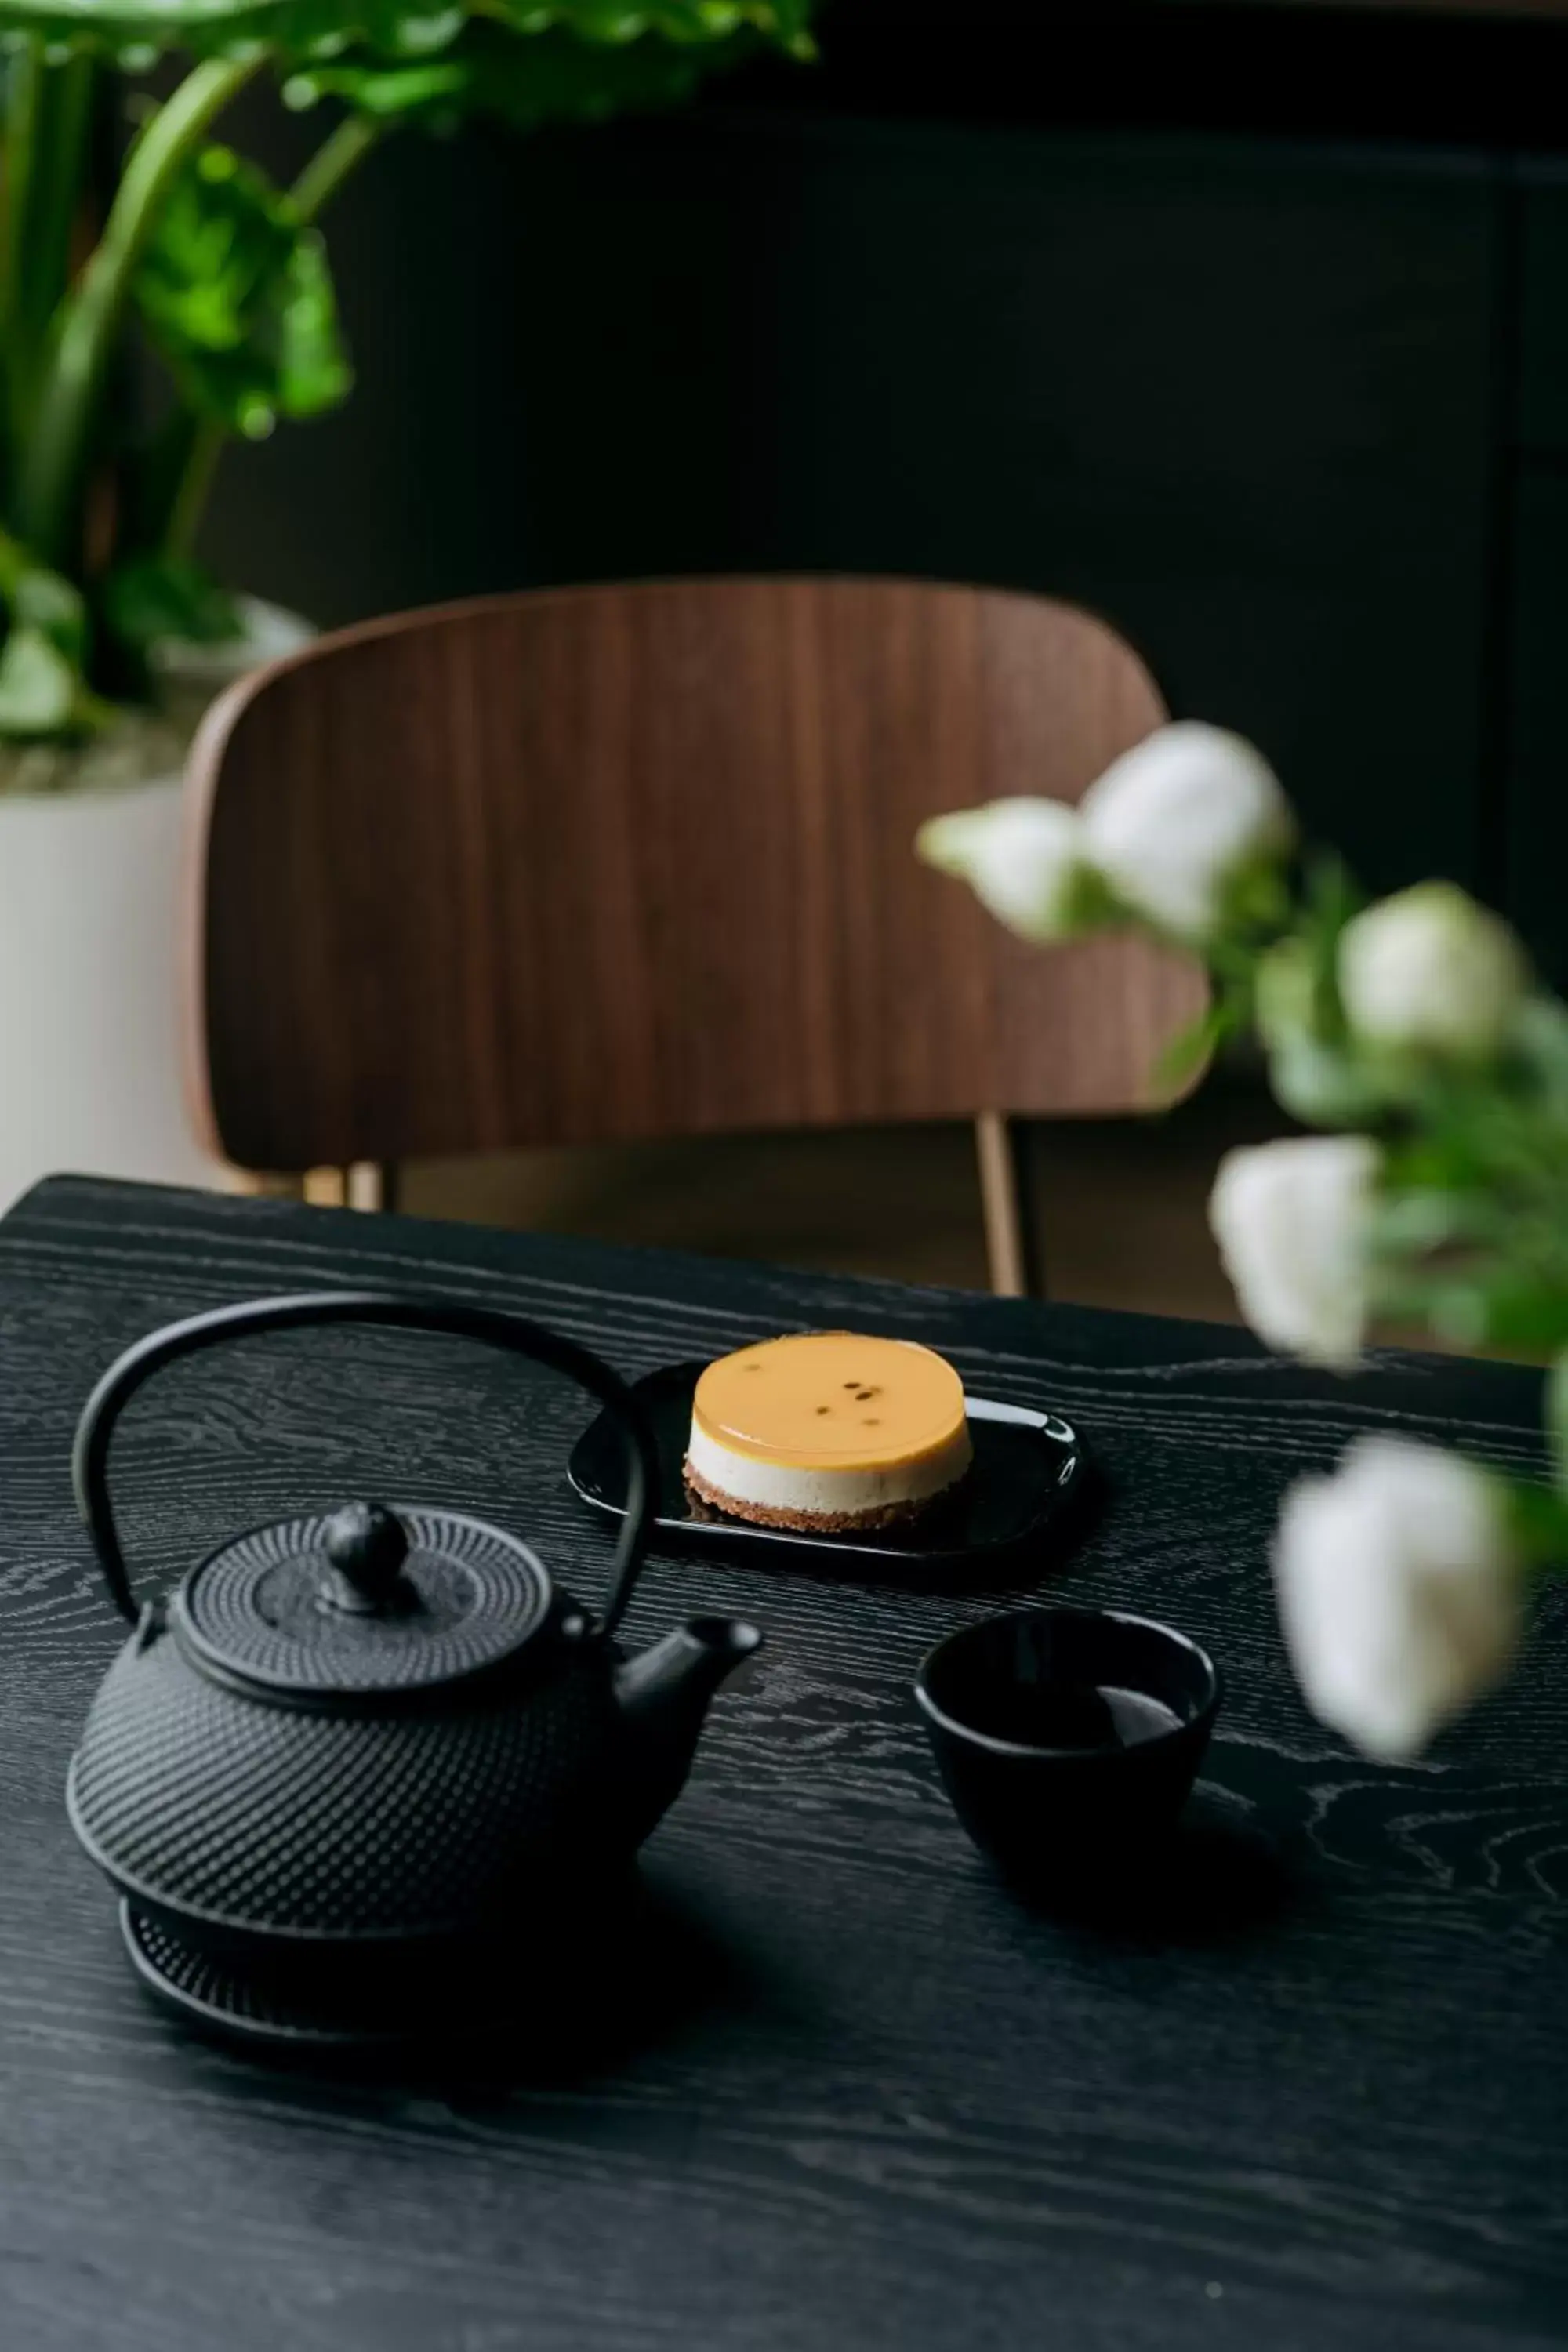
636, 861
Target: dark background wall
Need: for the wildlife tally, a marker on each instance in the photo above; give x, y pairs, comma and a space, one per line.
1249, 330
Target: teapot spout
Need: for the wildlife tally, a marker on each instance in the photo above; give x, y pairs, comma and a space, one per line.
664, 1695
675, 1680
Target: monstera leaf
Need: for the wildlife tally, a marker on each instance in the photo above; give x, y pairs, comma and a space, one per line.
237, 298
302, 32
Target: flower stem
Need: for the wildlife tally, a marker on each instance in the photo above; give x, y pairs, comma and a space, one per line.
53, 479
330, 166
203, 450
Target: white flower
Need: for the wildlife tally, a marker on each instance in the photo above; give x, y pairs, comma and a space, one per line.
1290, 1219
1180, 816
1399, 1591
1023, 859
1430, 970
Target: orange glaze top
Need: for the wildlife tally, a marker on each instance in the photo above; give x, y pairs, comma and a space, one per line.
828, 1400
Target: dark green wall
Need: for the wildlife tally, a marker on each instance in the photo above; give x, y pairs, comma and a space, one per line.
1286, 410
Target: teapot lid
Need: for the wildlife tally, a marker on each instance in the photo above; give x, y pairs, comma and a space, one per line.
362, 1602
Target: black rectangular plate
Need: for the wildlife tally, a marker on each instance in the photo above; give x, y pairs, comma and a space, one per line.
1027, 1466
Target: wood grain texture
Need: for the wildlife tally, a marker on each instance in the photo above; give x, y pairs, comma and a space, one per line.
834, 2087
632, 862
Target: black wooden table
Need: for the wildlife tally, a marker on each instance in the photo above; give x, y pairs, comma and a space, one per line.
843, 2091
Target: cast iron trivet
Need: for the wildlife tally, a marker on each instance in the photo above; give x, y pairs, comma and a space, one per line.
284, 2008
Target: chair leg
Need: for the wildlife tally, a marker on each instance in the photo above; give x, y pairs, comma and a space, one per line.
1011, 1246
368, 1184
371, 1185
258, 1184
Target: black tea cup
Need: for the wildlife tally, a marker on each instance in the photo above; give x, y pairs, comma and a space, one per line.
1068, 1739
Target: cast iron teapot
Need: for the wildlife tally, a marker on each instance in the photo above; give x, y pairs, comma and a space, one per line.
378, 1726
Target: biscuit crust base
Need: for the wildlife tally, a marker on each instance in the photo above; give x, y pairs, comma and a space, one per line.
813, 1523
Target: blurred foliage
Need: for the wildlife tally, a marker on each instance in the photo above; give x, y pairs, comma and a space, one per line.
553, 76
133, 33
226, 276
1470, 1233
43, 690
150, 600
238, 299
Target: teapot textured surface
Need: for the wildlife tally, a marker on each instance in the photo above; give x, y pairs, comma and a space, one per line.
376, 1726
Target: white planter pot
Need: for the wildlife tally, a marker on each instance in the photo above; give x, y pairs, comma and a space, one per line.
90, 1038
89, 1041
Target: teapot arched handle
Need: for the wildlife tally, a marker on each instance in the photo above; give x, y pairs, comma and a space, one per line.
90, 1455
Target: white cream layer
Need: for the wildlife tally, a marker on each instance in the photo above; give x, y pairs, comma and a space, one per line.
775, 1486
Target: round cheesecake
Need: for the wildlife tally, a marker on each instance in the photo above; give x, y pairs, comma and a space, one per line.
826, 1432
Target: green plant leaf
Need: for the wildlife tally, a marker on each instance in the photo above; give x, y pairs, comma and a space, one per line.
1322, 1085
43, 600
41, 689
1190, 1051
1537, 1523
38, 598
552, 77
296, 31
151, 598
237, 296
1541, 1044
1557, 1417
1503, 1309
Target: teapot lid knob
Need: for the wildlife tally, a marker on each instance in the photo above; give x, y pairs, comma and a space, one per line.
365, 1600
367, 1545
